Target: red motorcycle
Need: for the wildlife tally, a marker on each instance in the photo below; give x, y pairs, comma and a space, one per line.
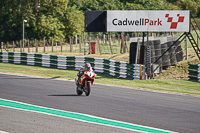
85, 82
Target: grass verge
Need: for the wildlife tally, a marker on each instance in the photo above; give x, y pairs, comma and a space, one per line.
165, 85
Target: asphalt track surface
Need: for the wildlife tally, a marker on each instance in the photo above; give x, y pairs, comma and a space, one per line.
179, 113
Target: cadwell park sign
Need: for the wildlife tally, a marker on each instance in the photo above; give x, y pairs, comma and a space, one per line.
148, 21
138, 21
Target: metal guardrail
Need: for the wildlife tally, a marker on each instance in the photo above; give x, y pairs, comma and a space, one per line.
114, 68
194, 72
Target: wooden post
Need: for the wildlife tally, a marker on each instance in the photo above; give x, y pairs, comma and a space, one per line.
126, 39
70, 42
20, 46
23, 46
44, 45
6, 45
36, 44
28, 46
118, 38
105, 39
186, 47
122, 44
101, 40
90, 50
13, 46
141, 75
66, 45
128, 36
61, 48
32, 46
110, 44
108, 38
99, 44
80, 43
39, 44
1, 46
75, 39
52, 44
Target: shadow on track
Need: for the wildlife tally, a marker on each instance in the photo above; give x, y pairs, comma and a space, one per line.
63, 95
28, 78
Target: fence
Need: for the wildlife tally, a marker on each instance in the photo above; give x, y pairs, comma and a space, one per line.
106, 44
194, 72
106, 66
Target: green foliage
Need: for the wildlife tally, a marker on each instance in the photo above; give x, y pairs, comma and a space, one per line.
149, 4
49, 26
88, 5
12, 13
49, 19
192, 5
73, 21
65, 18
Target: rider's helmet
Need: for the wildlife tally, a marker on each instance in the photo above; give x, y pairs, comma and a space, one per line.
87, 66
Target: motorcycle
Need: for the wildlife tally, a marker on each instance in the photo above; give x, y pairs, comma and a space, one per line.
85, 82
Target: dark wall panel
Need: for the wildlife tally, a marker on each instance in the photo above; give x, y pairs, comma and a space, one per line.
132, 55
95, 21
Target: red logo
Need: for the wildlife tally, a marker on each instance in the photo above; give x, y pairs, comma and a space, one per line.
174, 24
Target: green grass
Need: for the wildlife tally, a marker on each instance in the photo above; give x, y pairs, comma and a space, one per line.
166, 85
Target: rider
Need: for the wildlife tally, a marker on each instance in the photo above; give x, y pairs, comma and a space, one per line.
86, 67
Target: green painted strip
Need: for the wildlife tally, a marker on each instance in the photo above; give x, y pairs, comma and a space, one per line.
78, 116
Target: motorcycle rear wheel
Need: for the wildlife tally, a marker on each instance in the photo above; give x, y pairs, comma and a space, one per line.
87, 90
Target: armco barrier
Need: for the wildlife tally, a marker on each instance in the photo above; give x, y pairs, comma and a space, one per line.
194, 72
106, 66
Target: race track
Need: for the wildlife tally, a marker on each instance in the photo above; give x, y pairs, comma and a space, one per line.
178, 113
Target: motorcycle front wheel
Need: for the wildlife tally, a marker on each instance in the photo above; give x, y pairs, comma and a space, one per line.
79, 92
87, 90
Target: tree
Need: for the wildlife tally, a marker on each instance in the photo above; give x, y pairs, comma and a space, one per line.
12, 14
73, 21
48, 27
189, 5
64, 18
66, 21
88, 5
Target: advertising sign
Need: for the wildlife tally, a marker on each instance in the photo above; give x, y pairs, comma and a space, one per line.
148, 21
